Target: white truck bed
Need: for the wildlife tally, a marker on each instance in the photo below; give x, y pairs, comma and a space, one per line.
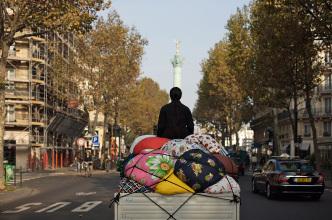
200, 206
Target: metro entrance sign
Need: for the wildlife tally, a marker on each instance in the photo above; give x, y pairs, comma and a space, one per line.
81, 142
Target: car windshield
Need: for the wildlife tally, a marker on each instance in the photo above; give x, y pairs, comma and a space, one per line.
292, 165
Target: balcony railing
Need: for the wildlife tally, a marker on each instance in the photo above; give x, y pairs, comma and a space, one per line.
324, 88
326, 134
316, 112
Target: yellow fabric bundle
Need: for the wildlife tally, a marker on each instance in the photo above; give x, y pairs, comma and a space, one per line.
171, 184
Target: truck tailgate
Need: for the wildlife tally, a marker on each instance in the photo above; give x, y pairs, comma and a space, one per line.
180, 206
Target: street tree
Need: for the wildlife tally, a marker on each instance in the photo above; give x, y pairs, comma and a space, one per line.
142, 106
53, 15
281, 30
105, 67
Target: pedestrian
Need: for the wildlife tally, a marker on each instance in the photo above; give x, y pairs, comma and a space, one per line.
78, 161
262, 162
247, 162
254, 161
108, 162
175, 119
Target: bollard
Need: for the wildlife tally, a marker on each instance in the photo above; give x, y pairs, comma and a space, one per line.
20, 176
14, 177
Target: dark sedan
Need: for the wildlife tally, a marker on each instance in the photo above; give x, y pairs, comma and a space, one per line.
239, 164
288, 175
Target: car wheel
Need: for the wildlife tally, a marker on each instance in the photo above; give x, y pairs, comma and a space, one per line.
315, 197
269, 193
253, 187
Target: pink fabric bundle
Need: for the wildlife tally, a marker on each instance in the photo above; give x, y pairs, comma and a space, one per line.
148, 167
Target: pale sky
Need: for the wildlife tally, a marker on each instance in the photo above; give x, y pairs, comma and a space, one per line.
197, 24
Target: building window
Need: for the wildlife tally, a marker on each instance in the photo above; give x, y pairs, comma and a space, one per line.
327, 85
12, 51
11, 73
327, 129
307, 130
327, 109
10, 113
327, 59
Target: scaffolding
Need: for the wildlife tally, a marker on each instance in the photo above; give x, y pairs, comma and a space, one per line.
38, 123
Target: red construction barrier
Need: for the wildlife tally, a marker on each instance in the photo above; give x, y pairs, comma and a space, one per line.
56, 160
61, 160
68, 160
29, 161
34, 165
52, 159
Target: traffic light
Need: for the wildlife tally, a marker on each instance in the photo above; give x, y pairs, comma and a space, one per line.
271, 135
155, 128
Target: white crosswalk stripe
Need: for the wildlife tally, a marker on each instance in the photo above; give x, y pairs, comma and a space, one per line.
85, 207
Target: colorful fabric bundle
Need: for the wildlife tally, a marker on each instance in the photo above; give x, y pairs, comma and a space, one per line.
171, 184
177, 147
198, 169
149, 143
226, 184
137, 140
205, 140
149, 167
127, 185
230, 166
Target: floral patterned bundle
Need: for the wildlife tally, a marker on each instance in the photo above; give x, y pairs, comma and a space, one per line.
199, 170
148, 167
127, 185
205, 140
177, 147
225, 185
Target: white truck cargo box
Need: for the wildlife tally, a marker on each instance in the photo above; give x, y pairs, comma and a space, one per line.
199, 206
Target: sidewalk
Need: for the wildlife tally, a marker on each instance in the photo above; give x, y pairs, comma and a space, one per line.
7, 196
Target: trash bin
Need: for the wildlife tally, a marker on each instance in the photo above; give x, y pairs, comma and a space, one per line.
9, 173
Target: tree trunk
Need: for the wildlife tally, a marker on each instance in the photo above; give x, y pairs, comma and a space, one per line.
276, 145
3, 62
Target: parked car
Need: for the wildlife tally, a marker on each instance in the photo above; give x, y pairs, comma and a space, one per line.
239, 164
288, 175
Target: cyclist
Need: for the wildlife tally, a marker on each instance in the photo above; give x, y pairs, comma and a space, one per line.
88, 160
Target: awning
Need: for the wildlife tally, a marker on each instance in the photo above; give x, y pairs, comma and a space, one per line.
324, 147
304, 146
285, 147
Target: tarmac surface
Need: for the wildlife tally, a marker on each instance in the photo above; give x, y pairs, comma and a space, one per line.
12, 195
8, 196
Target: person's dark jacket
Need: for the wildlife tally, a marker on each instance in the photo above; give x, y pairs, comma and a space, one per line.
166, 119
87, 159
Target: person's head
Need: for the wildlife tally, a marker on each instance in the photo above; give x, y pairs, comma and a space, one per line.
88, 152
175, 94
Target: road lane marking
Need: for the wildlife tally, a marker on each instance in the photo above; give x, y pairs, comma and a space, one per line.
22, 208
57, 206
86, 206
85, 194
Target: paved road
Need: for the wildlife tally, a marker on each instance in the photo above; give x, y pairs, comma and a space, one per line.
77, 197
65, 197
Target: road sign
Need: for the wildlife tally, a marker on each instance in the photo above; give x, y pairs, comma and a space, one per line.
95, 146
81, 142
95, 139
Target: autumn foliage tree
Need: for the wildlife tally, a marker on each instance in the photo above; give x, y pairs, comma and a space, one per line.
105, 67
142, 106
53, 15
